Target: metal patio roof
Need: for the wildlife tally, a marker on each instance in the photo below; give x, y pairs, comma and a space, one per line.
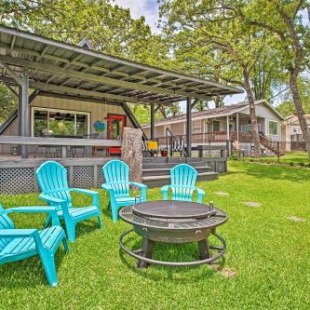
61, 68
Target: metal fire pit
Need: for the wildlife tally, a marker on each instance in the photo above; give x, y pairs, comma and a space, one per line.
170, 221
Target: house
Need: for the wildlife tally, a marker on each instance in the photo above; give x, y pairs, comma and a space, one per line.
67, 92
228, 123
292, 134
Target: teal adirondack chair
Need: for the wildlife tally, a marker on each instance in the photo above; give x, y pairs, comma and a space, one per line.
183, 180
17, 244
52, 179
116, 175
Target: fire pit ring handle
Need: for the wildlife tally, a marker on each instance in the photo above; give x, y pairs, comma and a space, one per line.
221, 250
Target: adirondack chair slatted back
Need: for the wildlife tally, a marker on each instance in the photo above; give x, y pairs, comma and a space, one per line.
5, 223
52, 179
116, 174
183, 177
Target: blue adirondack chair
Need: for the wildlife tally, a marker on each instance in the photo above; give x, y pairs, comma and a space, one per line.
52, 179
17, 244
183, 180
116, 175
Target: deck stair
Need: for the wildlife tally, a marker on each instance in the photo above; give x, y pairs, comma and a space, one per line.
272, 145
156, 170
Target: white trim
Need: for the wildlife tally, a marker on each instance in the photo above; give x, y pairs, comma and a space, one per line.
278, 129
33, 109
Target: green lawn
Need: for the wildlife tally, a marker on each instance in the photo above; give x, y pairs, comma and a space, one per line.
290, 158
268, 253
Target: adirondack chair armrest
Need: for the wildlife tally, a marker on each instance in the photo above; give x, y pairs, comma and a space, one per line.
51, 211
93, 194
200, 193
143, 189
17, 233
139, 185
83, 191
52, 199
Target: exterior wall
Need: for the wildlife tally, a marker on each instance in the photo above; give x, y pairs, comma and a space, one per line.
290, 129
177, 128
264, 114
97, 111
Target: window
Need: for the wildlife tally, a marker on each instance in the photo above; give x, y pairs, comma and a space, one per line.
216, 126
248, 128
59, 122
273, 128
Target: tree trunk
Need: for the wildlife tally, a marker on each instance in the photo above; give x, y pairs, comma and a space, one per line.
299, 109
247, 85
132, 152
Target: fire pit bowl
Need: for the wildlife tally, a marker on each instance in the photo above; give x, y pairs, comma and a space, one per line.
170, 221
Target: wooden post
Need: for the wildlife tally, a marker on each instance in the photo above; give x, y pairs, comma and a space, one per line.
152, 122
189, 127
132, 152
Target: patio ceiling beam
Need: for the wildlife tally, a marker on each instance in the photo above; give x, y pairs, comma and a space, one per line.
11, 89
12, 74
81, 75
53, 88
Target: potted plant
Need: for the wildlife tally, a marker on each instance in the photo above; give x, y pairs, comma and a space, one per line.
163, 152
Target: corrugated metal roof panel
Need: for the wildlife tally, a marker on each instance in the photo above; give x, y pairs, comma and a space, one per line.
53, 63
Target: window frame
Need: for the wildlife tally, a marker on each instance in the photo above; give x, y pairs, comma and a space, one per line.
33, 109
278, 131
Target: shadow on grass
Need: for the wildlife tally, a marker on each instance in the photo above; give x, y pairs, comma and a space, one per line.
172, 252
27, 273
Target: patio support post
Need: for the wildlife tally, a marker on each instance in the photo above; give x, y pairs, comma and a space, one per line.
238, 129
189, 127
23, 114
23, 108
227, 132
227, 126
152, 122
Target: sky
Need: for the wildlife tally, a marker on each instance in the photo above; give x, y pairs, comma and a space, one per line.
146, 8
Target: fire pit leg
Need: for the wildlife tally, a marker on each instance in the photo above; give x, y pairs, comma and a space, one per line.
203, 249
147, 250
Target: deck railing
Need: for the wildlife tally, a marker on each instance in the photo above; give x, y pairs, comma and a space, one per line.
26, 146
215, 136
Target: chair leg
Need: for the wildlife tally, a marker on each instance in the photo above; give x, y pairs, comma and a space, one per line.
100, 221
48, 221
48, 262
65, 244
114, 214
70, 230
109, 205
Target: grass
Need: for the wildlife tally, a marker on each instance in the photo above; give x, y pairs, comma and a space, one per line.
290, 158
268, 253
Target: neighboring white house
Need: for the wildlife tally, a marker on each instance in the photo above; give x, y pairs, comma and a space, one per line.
225, 120
292, 134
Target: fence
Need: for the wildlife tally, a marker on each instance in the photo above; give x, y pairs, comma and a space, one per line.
18, 177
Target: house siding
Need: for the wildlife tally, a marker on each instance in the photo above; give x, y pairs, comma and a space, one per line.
96, 111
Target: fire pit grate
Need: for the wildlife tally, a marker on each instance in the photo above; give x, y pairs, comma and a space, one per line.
172, 209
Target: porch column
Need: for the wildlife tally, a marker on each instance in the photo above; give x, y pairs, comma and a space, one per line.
152, 122
189, 127
227, 127
237, 120
23, 111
